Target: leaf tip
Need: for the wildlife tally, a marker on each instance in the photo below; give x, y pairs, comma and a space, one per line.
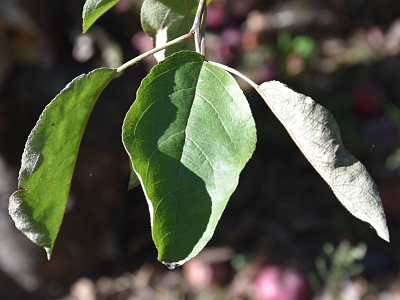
171, 265
48, 250
379, 224
383, 233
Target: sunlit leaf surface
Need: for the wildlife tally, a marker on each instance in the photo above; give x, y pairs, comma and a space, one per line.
189, 134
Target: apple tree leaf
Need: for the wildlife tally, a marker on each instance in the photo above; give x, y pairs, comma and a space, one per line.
49, 157
317, 134
94, 9
189, 134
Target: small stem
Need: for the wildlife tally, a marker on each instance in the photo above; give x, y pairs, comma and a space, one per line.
155, 50
197, 24
199, 13
237, 73
203, 32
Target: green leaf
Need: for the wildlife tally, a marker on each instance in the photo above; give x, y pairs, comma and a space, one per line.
317, 134
165, 20
94, 9
48, 161
189, 134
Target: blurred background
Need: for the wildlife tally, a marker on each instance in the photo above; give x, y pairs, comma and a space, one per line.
283, 236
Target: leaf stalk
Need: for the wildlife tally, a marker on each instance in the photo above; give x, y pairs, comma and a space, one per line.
137, 59
237, 73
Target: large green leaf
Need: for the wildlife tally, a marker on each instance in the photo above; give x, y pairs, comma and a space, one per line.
189, 134
317, 134
94, 9
48, 161
165, 20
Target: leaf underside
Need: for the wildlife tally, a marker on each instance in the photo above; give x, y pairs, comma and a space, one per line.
189, 134
317, 134
94, 9
49, 157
